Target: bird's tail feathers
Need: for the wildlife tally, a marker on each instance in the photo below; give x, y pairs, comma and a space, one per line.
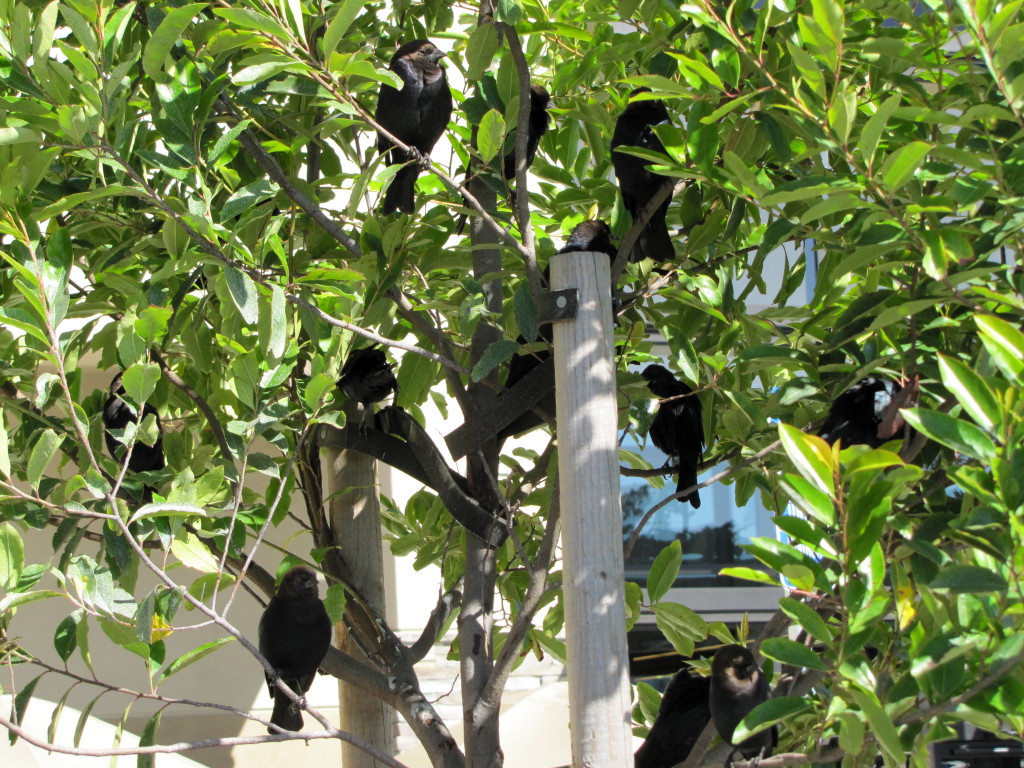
286, 714
399, 196
654, 242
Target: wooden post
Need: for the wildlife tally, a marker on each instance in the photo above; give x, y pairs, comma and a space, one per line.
588, 471
354, 512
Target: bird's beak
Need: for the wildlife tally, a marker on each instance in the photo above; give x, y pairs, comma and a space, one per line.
438, 55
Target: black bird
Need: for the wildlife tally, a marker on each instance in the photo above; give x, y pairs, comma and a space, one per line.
856, 415
637, 183
416, 115
737, 686
117, 414
678, 427
367, 376
592, 235
538, 126
683, 714
295, 633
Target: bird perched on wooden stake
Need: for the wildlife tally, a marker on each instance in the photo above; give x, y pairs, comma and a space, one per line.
678, 427
634, 128
416, 115
118, 414
538, 126
367, 376
294, 634
737, 686
856, 416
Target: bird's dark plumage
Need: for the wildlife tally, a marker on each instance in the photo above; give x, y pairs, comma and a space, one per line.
857, 414
538, 124
295, 633
678, 427
417, 115
367, 376
737, 686
683, 714
117, 414
637, 183
592, 235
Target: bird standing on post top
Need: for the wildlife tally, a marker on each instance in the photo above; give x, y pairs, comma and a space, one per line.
856, 415
295, 633
634, 128
678, 427
737, 686
416, 115
367, 377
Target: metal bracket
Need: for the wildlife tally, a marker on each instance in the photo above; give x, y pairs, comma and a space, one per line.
558, 305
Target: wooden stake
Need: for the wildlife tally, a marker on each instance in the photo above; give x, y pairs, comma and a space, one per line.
588, 470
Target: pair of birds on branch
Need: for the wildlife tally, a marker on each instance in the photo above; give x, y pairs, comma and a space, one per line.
418, 113
735, 687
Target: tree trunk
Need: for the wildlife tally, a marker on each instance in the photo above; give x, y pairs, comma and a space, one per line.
354, 512
588, 472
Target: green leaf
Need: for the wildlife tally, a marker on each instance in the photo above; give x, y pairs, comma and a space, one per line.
12, 556
901, 165
881, 727
971, 392
140, 381
497, 353
243, 293
65, 639
959, 435
334, 602
168, 509
147, 739
248, 19
875, 125
51, 732
347, 11
191, 551
246, 197
791, 652
806, 617
83, 719
166, 36
480, 50
525, 311
969, 579
768, 713
750, 574
191, 657
124, 636
5, 456
664, 571
681, 626
1005, 343
44, 449
811, 455
21, 704
490, 135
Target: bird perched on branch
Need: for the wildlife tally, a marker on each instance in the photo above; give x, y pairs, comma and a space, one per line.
634, 128
856, 416
538, 126
678, 427
294, 634
367, 376
737, 686
682, 716
118, 414
416, 115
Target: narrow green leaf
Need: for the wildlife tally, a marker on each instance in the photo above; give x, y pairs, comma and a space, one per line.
971, 392
51, 732
806, 617
65, 639
525, 311
901, 165
881, 727
147, 739
278, 324
12, 556
791, 652
243, 293
480, 50
248, 19
490, 135
664, 571
1005, 343
244, 198
83, 719
196, 654
44, 449
334, 602
811, 455
166, 36
339, 24
681, 626
959, 578
750, 574
496, 354
959, 435
21, 703
768, 713
875, 125
5, 457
